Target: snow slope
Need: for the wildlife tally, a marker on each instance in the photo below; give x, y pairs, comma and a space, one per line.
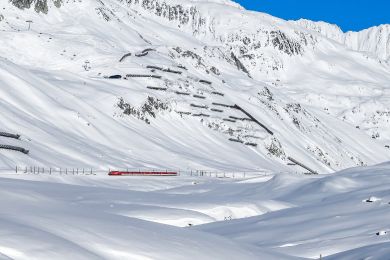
280, 216
315, 95
329, 216
46, 221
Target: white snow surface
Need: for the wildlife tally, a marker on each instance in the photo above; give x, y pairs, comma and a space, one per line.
280, 216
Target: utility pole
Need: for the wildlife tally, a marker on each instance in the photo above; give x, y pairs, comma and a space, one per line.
29, 24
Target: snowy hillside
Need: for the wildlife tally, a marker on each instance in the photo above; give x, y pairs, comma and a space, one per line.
285, 216
184, 85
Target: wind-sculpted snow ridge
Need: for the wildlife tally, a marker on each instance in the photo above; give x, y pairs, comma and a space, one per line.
157, 84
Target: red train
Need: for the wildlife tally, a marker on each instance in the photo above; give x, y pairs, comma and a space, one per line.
142, 173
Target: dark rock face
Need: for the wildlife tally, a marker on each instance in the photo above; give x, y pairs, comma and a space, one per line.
148, 110
255, 51
40, 6
284, 44
193, 17
171, 12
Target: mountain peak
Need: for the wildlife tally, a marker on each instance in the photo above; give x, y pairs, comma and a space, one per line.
374, 40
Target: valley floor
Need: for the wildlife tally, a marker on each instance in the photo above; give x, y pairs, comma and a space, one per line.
269, 217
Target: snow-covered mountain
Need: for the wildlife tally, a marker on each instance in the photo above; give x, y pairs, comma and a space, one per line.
189, 85
374, 40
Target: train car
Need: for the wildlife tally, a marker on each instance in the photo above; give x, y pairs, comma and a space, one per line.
142, 173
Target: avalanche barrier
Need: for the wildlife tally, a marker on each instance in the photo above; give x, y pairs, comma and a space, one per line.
172, 71
236, 140
141, 54
182, 93
205, 82
147, 50
14, 148
302, 165
251, 144
199, 106
222, 105
124, 57
182, 67
201, 115
9, 135
154, 67
157, 88
217, 93
254, 119
199, 96
240, 118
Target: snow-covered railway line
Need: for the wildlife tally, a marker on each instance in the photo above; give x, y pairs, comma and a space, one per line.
91, 172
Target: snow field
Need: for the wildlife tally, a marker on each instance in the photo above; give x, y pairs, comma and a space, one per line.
278, 217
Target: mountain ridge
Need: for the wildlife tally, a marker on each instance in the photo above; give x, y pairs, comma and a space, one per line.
374, 40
